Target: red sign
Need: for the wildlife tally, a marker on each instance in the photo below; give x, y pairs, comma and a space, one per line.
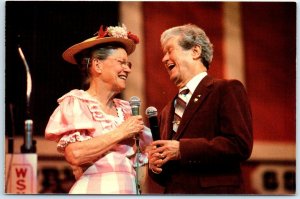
21, 173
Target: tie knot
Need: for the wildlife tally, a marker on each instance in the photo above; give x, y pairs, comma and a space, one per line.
184, 91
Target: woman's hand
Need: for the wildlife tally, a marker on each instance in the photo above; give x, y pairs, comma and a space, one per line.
77, 171
132, 126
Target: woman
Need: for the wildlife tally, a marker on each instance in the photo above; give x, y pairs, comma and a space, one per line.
95, 131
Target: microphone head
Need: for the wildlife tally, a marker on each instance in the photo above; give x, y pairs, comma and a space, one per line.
151, 111
134, 101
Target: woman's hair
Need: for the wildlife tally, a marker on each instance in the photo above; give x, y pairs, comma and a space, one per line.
85, 57
191, 35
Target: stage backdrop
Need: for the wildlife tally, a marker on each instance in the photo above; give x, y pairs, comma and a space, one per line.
269, 50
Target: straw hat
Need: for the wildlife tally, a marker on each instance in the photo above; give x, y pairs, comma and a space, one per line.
112, 34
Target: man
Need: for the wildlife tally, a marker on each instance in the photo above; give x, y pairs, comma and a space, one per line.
207, 133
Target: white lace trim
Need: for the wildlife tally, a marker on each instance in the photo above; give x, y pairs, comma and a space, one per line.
71, 138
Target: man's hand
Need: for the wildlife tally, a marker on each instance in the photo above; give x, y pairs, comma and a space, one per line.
161, 152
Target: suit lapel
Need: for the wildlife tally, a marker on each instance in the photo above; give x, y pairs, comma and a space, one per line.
198, 97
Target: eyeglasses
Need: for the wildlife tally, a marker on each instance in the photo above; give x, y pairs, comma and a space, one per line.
123, 63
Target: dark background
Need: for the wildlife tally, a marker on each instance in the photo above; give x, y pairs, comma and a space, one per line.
44, 30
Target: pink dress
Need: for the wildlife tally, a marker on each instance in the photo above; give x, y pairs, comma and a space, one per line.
78, 118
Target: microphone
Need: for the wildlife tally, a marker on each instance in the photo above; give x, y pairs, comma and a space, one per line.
151, 113
28, 125
135, 104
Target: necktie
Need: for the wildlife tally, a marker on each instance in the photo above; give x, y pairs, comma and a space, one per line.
179, 108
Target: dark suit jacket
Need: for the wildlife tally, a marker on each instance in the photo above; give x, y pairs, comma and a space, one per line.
215, 136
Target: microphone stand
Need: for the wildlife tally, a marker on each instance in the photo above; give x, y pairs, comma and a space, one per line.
19, 178
138, 187
21, 175
29, 145
135, 104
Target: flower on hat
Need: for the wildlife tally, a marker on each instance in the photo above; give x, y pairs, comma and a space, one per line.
133, 37
117, 32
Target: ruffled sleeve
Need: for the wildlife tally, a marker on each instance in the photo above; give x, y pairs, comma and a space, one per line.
72, 115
